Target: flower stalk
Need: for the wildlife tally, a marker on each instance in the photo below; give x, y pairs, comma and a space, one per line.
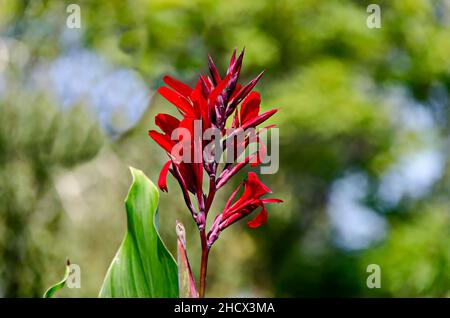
204, 263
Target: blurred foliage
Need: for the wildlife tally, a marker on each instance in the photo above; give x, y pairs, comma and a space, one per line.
34, 139
339, 86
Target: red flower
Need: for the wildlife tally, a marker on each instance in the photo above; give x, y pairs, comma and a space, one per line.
213, 100
249, 201
190, 173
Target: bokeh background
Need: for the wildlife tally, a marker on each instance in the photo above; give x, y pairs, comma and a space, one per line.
364, 152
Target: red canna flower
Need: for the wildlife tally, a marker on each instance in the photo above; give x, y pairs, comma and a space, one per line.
205, 109
249, 201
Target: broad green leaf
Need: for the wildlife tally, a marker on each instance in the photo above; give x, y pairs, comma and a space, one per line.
142, 267
53, 289
186, 281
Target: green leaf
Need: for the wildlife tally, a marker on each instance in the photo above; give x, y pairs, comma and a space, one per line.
53, 289
142, 267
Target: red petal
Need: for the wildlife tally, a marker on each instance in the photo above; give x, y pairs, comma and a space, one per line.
162, 181
201, 106
167, 123
177, 85
250, 107
259, 219
188, 123
178, 100
162, 140
194, 143
258, 120
198, 98
255, 185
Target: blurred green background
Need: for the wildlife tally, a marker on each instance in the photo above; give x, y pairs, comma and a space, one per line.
364, 125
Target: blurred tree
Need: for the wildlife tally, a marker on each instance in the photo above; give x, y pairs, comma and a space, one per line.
34, 139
